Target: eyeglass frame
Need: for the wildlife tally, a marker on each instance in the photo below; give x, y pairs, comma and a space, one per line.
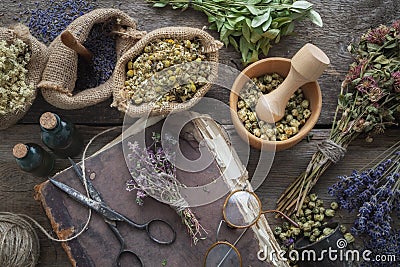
259, 215
232, 246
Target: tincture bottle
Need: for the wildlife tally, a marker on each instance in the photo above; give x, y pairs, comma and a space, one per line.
33, 158
60, 135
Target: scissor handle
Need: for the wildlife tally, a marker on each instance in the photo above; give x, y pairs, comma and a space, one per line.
128, 252
154, 237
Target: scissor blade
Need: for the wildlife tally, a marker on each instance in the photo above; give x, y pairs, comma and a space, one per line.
97, 206
92, 191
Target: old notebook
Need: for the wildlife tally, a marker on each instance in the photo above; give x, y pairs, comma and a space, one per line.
97, 246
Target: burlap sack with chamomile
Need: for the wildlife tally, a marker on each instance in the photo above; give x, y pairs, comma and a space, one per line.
149, 75
19, 73
60, 77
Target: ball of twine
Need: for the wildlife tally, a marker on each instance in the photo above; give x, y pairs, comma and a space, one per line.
19, 243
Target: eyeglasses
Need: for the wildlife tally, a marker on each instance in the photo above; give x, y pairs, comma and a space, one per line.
242, 209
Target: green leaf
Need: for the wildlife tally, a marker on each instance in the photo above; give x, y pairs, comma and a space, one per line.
265, 46
160, 4
233, 42
254, 56
315, 17
282, 21
382, 60
266, 25
278, 38
244, 48
259, 20
255, 36
219, 23
253, 2
288, 29
253, 10
372, 47
235, 21
246, 32
302, 5
271, 34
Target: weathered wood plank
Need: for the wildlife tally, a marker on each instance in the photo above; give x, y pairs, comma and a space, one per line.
343, 20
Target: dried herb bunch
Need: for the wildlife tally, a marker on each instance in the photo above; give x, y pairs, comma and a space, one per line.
374, 193
154, 176
14, 89
369, 101
296, 113
314, 224
160, 74
250, 26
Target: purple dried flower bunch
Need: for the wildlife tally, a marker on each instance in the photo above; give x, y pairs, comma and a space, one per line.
375, 194
154, 175
369, 102
46, 23
101, 42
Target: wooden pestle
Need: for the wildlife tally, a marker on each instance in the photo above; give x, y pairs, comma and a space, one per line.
70, 41
306, 66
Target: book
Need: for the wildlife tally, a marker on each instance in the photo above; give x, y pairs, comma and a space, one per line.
97, 246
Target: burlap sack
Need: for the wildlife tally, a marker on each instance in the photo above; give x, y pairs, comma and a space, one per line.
39, 55
60, 74
211, 47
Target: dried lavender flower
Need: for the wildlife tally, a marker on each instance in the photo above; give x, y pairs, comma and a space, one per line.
47, 22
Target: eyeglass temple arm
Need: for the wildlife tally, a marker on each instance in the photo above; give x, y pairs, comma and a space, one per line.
285, 216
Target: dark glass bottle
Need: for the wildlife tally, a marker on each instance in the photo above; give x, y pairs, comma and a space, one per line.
33, 158
60, 135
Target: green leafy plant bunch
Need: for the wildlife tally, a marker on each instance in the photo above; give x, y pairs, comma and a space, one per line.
250, 26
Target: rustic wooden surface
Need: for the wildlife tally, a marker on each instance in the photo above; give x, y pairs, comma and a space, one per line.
344, 20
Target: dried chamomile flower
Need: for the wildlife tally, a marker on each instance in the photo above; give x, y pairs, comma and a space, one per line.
14, 90
157, 76
296, 113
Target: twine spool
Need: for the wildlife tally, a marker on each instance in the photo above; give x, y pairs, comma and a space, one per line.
19, 243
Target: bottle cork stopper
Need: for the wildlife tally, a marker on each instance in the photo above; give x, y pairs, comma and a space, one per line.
20, 151
48, 121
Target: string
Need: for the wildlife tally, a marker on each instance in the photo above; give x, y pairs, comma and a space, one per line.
331, 150
19, 243
84, 228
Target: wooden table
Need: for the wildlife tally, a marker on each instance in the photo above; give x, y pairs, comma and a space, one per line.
344, 20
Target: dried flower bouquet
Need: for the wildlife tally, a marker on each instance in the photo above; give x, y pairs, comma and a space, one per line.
369, 101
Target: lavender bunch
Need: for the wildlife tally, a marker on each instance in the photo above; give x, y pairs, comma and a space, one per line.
375, 194
154, 176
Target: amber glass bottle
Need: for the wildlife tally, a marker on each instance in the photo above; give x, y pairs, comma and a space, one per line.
33, 158
60, 135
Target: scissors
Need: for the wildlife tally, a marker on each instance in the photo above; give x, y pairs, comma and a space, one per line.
111, 217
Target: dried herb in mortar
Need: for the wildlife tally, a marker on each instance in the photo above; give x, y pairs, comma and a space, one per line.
296, 113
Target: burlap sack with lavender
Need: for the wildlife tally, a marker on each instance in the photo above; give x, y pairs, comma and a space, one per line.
22, 62
68, 81
168, 70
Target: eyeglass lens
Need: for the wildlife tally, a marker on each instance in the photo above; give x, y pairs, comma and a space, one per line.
222, 255
242, 209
